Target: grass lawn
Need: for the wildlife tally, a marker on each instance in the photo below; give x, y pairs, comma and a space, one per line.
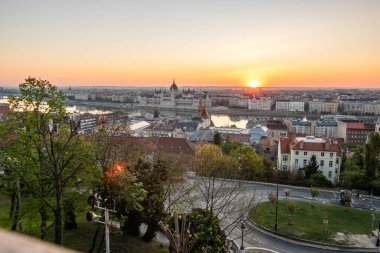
81, 238
308, 222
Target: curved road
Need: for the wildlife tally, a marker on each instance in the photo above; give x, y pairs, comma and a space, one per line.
256, 238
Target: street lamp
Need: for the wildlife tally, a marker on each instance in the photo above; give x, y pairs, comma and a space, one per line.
360, 169
242, 238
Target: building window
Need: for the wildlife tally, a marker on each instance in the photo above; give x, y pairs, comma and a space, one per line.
330, 164
304, 153
330, 174
284, 167
331, 154
296, 161
297, 152
337, 161
323, 154
284, 158
322, 163
304, 162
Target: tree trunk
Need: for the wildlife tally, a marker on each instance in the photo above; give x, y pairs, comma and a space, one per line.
58, 238
13, 204
132, 226
69, 219
16, 213
44, 217
152, 228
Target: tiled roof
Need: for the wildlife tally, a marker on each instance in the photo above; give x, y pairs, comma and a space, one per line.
166, 145
314, 146
237, 137
355, 125
291, 143
285, 145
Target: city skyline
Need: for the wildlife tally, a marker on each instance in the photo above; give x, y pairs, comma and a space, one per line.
214, 43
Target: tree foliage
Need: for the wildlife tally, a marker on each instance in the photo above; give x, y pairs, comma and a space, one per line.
46, 147
311, 168
206, 227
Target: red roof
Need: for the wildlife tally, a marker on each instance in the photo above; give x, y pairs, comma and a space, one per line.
355, 125
4, 109
332, 145
237, 137
314, 146
166, 145
285, 145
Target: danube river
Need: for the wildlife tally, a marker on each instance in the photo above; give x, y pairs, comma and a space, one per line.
220, 120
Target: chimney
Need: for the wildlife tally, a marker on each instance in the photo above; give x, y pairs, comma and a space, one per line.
301, 144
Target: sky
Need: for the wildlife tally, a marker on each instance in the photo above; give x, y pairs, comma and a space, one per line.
279, 43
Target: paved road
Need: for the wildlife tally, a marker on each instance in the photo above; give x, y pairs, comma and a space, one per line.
255, 238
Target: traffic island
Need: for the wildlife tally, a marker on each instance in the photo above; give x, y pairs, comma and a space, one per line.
321, 223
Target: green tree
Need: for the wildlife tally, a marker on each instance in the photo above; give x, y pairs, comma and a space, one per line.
314, 193
217, 138
272, 199
49, 158
206, 227
311, 168
292, 207
156, 113
154, 179
371, 155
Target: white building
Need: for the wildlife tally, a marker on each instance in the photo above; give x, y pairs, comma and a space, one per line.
261, 104
291, 106
175, 98
325, 129
81, 96
323, 106
377, 129
296, 153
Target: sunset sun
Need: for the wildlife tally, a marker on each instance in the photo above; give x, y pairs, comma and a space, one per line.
253, 83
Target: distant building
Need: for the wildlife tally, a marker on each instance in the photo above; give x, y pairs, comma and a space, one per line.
357, 132
81, 96
257, 132
378, 126
295, 153
261, 104
291, 106
277, 129
267, 146
323, 107
301, 126
174, 97
244, 139
325, 129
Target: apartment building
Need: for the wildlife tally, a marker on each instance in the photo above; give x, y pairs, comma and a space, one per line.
295, 154
291, 106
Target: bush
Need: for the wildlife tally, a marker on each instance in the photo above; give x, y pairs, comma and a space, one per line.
319, 180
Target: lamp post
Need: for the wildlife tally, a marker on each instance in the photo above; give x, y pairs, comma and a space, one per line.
378, 235
275, 224
240, 168
360, 168
242, 238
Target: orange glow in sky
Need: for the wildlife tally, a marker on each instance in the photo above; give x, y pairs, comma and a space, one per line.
293, 43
